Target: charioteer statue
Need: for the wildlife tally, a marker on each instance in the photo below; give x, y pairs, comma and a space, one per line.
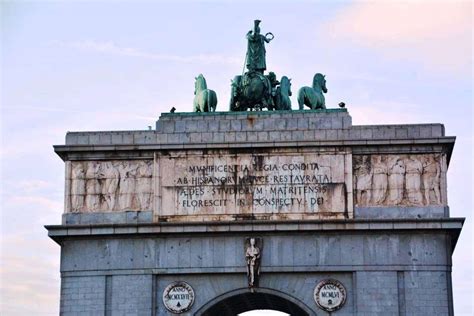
253, 89
255, 59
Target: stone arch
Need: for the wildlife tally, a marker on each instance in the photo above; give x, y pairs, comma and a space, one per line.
242, 300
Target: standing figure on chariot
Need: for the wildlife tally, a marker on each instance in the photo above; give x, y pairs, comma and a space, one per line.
256, 49
253, 90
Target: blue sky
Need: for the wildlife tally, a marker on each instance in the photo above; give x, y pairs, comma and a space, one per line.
90, 65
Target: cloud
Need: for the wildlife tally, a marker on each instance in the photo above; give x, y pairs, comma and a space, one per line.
436, 34
29, 289
110, 47
33, 185
386, 112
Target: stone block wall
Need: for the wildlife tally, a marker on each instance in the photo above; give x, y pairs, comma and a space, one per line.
377, 293
129, 295
428, 293
258, 128
84, 295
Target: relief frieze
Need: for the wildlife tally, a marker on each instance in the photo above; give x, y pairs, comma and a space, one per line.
119, 185
405, 180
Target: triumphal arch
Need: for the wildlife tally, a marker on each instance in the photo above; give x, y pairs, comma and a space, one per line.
218, 213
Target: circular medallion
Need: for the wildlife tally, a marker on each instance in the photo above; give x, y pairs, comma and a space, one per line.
178, 297
330, 295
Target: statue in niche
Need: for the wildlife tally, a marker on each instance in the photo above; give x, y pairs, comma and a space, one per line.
252, 256
363, 181
431, 179
205, 100
93, 186
380, 180
413, 169
396, 179
127, 185
78, 187
144, 185
111, 177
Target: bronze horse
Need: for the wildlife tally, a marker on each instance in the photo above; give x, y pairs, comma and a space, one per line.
205, 100
251, 91
282, 94
313, 96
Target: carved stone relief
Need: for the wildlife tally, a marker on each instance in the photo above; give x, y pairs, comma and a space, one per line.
407, 180
97, 186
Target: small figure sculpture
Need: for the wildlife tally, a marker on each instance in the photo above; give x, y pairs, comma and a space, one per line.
364, 182
144, 185
431, 179
78, 188
282, 95
313, 96
413, 168
255, 58
205, 100
396, 177
93, 189
252, 256
127, 185
111, 178
380, 180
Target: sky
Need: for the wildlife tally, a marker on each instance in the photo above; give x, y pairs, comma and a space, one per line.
116, 65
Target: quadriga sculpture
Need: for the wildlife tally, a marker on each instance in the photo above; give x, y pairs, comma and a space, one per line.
251, 91
205, 100
282, 94
313, 96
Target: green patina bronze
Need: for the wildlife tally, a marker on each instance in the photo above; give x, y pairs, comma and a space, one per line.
313, 96
253, 90
255, 58
282, 95
205, 100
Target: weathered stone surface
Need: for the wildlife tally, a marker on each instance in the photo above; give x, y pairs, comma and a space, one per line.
392, 251
400, 180
97, 186
266, 184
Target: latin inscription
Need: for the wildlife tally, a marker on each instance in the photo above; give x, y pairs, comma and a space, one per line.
330, 295
178, 297
256, 184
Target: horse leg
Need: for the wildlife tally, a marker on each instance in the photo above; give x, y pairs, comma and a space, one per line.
212, 101
196, 105
301, 100
287, 104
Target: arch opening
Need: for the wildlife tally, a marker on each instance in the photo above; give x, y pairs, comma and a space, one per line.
237, 303
263, 312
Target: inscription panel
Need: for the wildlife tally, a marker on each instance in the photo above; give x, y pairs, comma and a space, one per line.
283, 185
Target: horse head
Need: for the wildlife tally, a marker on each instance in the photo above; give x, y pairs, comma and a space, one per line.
319, 81
235, 85
200, 84
286, 85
